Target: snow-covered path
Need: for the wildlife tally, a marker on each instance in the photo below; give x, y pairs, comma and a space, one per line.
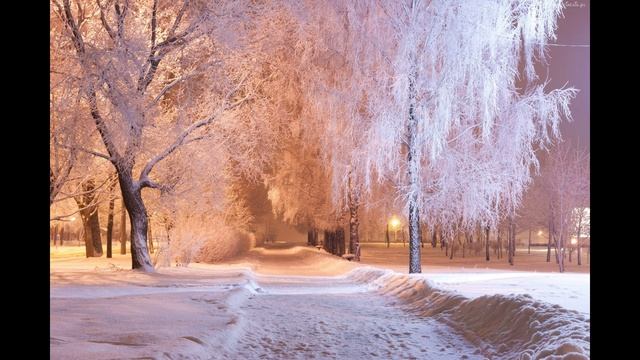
325, 318
299, 303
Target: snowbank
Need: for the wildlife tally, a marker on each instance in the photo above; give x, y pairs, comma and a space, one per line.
503, 326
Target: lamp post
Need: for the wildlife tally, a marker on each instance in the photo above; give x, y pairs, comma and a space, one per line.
394, 222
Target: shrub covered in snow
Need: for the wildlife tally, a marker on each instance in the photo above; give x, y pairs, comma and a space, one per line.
211, 240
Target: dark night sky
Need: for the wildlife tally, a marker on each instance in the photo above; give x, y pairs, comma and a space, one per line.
571, 66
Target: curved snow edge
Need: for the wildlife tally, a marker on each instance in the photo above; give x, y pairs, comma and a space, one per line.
504, 326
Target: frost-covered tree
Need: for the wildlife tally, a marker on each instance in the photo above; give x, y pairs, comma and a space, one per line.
444, 75
156, 76
567, 182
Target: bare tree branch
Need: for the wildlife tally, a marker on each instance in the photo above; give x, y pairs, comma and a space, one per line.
105, 24
91, 152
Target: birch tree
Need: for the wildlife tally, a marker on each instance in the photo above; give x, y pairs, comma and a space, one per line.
567, 183
445, 74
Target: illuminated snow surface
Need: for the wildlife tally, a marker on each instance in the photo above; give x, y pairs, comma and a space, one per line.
301, 303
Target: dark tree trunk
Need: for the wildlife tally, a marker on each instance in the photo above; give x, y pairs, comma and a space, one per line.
328, 241
354, 240
579, 241
86, 236
413, 163
132, 196
309, 237
513, 241
464, 243
340, 241
54, 234
150, 236
434, 240
386, 235
479, 236
325, 241
499, 243
110, 227
453, 244
446, 245
529, 250
123, 229
549, 243
90, 220
487, 243
96, 238
110, 219
511, 237
61, 234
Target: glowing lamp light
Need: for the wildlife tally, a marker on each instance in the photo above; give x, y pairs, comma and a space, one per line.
394, 222
73, 218
574, 240
539, 232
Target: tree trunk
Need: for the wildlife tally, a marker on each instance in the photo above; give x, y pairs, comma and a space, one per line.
123, 229
499, 243
110, 226
453, 244
132, 196
110, 219
309, 237
55, 234
560, 253
549, 244
413, 162
61, 234
510, 241
86, 236
96, 238
487, 243
478, 248
464, 243
326, 244
340, 241
354, 240
529, 250
150, 236
434, 240
386, 235
441, 240
90, 221
578, 237
446, 246
513, 242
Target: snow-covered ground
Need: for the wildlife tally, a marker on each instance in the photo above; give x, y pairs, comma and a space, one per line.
473, 276
300, 303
